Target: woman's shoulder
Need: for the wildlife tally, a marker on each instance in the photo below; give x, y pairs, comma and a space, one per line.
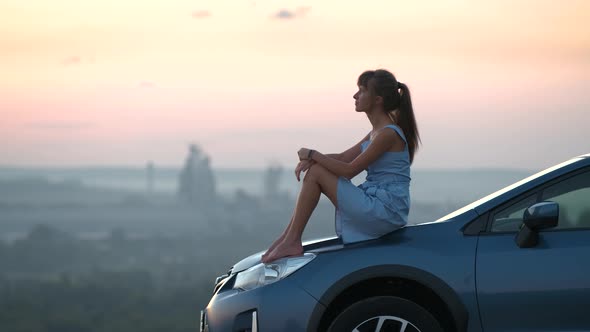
384, 137
387, 132
397, 131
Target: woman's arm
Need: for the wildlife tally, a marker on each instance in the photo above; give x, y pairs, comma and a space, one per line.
336, 156
346, 156
349, 155
380, 144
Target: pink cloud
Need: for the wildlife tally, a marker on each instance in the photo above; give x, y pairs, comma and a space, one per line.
302, 11
72, 60
199, 14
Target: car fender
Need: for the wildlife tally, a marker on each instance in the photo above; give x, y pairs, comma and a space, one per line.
439, 287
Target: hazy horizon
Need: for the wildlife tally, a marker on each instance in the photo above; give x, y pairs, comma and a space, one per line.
432, 186
251, 168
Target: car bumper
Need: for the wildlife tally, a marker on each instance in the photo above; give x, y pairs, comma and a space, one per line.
281, 306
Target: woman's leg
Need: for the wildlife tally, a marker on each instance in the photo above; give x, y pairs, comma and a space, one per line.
318, 180
278, 240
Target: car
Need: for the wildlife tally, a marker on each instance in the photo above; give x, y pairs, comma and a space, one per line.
515, 260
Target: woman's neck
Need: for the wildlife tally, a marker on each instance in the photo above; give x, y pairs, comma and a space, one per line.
379, 119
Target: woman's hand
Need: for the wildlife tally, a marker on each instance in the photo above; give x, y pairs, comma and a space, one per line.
303, 166
303, 153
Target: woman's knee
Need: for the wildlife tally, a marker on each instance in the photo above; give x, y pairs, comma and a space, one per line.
327, 181
314, 172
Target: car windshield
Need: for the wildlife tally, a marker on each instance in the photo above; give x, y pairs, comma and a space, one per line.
504, 190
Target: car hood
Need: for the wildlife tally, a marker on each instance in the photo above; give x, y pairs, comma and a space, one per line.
319, 245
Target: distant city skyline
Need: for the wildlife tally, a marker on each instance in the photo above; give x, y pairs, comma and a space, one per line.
495, 84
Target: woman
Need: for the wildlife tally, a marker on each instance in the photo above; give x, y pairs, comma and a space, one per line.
379, 205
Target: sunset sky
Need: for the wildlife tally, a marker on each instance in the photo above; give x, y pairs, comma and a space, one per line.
495, 84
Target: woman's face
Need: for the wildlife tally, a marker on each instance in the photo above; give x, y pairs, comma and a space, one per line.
363, 100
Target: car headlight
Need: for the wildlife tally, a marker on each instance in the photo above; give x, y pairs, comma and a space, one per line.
264, 274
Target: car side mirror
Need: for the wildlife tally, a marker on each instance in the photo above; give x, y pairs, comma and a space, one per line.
536, 217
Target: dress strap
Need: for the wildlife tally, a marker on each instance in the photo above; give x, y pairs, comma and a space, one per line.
399, 131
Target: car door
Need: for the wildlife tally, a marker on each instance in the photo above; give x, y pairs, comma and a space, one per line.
545, 287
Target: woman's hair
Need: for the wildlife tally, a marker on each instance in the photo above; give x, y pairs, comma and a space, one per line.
396, 96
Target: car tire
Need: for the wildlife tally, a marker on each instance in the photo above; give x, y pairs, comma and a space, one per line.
394, 312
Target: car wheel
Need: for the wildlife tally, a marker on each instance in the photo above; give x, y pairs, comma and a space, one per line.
385, 314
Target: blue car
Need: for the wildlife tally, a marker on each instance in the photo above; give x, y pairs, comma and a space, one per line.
516, 260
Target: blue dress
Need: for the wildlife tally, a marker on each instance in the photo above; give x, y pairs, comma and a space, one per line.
380, 204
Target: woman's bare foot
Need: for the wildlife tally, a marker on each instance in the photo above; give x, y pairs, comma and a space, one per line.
274, 245
284, 249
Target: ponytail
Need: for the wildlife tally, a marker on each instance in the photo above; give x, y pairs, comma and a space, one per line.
407, 120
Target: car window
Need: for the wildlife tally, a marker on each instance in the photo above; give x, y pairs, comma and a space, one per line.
573, 197
506, 189
509, 218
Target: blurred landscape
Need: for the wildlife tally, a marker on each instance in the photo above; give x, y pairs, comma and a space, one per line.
138, 249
